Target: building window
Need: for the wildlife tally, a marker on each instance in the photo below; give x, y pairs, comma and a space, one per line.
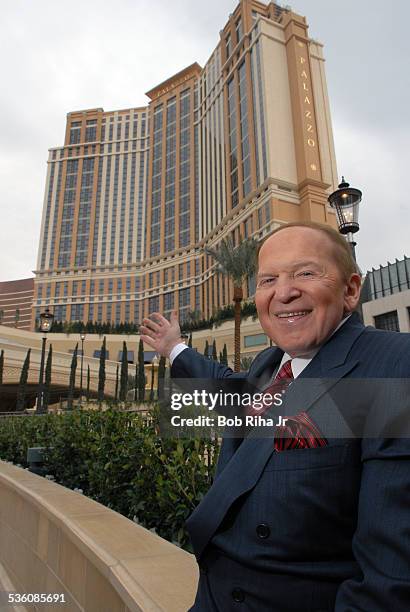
153, 304
184, 303
75, 132
130, 356
255, 340
228, 45
168, 303
233, 138
238, 30
251, 282
388, 321
91, 131
97, 354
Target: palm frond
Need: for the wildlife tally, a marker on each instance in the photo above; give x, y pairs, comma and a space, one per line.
237, 262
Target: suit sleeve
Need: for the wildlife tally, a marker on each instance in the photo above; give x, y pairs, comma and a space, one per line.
381, 544
194, 372
190, 364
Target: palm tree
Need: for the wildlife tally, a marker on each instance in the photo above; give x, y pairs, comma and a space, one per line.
238, 263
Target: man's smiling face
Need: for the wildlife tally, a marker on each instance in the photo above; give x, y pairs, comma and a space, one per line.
301, 295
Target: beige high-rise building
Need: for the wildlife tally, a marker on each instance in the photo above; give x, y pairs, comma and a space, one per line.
231, 149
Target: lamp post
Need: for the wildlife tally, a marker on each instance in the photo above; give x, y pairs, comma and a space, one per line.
345, 200
82, 336
46, 320
154, 364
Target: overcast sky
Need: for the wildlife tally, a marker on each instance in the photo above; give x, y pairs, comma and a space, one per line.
58, 57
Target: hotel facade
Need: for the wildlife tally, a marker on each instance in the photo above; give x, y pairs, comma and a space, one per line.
235, 148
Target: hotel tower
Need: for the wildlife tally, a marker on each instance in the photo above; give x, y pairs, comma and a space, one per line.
234, 148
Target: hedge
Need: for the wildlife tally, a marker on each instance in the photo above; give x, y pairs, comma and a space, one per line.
118, 459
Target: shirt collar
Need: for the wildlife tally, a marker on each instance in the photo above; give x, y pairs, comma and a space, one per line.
300, 363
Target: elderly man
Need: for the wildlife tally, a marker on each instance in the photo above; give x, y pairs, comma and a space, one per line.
301, 521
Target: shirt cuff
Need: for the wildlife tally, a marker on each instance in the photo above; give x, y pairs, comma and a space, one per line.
178, 348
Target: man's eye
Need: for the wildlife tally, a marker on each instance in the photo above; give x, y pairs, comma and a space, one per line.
265, 281
305, 273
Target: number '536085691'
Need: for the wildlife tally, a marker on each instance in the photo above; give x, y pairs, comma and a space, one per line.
36, 598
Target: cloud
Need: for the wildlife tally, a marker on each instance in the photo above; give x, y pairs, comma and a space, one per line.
375, 161
59, 57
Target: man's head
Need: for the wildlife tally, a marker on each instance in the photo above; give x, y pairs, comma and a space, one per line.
307, 282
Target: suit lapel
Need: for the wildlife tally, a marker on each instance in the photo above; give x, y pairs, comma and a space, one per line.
328, 366
263, 367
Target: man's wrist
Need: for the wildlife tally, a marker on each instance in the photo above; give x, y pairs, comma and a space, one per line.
176, 350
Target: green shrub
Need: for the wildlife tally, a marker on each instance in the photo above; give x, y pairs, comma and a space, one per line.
118, 459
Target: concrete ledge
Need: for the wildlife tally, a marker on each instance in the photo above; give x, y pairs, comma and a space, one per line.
54, 540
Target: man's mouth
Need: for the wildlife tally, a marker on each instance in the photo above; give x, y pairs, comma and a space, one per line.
294, 315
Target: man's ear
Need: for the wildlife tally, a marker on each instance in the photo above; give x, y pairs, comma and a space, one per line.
352, 292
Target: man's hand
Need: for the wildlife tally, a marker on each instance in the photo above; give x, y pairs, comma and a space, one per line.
160, 334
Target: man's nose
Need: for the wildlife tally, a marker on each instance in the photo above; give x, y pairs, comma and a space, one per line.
286, 290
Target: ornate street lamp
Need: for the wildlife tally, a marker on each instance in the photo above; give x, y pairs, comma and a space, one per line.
82, 336
46, 321
345, 200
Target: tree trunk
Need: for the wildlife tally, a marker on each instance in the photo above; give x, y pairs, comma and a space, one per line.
237, 298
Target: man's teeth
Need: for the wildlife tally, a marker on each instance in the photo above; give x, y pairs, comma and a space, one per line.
286, 315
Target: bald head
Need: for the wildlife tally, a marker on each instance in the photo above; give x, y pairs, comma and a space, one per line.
339, 250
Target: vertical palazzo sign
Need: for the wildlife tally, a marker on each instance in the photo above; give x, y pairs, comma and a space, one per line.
308, 112
302, 101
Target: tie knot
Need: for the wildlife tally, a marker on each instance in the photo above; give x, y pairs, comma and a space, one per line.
285, 371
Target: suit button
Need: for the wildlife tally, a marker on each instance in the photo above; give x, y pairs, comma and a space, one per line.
238, 595
263, 531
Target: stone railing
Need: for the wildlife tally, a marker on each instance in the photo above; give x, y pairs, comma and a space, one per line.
56, 541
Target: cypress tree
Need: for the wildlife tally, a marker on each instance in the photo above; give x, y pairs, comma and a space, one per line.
161, 377
71, 384
88, 384
206, 349
224, 360
101, 372
136, 382
151, 393
190, 340
141, 372
47, 381
214, 353
116, 385
124, 373
1, 366
22, 388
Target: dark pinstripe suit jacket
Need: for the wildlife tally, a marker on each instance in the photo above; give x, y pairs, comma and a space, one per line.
315, 529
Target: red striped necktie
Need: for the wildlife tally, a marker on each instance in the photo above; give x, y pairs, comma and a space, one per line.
298, 431
280, 383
